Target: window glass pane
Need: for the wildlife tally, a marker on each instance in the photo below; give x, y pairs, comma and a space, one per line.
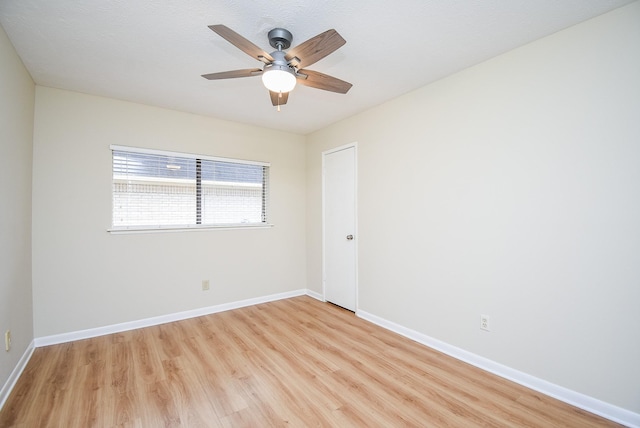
170, 190
152, 190
232, 193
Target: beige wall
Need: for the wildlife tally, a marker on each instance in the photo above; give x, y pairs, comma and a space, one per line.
509, 189
16, 136
85, 277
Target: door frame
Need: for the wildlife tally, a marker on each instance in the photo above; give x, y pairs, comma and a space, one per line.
353, 145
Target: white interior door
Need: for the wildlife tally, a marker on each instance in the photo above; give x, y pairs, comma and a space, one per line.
339, 231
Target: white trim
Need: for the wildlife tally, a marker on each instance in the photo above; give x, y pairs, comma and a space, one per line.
162, 319
315, 295
340, 148
184, 155
15, 374
188, 228
323, 263
353, 145
577, 399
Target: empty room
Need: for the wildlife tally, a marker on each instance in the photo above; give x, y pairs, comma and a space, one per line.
420, 213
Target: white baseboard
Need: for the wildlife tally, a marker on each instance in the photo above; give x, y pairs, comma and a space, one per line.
315, 295
585, 402
15, 374
162, 319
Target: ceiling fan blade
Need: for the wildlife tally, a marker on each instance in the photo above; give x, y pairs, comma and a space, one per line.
279, 98
247, 72
323, 81
241, 43
316, 48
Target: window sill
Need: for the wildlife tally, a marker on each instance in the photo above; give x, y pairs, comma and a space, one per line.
161, 229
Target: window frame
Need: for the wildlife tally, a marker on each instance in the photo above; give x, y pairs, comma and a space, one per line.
192, 227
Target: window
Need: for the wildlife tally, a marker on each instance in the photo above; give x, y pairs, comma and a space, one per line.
154, 189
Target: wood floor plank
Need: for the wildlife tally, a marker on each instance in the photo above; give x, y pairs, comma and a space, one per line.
295, 362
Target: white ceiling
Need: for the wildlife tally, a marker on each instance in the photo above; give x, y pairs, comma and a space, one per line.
153, 52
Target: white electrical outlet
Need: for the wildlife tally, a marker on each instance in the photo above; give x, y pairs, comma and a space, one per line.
205, 284
484, 322
7, 340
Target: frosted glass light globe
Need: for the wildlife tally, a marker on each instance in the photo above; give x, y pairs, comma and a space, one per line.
278, 79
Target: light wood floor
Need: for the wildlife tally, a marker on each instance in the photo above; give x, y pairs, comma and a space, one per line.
296, 362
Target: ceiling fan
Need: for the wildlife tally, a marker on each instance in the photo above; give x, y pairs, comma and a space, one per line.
283, 69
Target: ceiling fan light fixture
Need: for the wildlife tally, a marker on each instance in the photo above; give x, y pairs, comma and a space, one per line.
278, 78
281, 70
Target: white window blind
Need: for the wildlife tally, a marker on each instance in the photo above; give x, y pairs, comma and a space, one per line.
157, 189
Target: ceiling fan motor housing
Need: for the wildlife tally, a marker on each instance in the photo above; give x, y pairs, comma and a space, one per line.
279, 58
279, 76
280, 38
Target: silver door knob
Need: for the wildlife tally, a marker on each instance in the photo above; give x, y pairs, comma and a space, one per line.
350, 237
